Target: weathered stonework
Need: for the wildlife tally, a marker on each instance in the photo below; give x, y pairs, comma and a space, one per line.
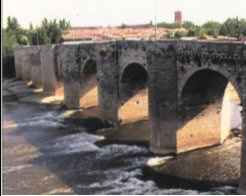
162, 86
28, 64
133, 91
209, 67
242, 185
27, 58
192, 114
49, 69
18, 53
110, 61
36, 67
75, 60
178, 84
108, 80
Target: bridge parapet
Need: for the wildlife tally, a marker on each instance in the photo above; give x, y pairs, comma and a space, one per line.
221, 52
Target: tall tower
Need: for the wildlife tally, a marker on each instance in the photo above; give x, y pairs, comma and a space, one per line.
178, 17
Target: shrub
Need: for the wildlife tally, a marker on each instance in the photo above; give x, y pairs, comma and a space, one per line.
24, 40
179, 34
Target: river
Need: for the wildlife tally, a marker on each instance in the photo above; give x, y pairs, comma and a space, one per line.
45, 154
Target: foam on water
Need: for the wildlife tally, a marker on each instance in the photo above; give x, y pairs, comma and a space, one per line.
73, 143
121, 178
126, 182
125, 178
117, 149
49, 119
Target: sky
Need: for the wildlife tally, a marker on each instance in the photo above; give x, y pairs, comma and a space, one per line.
116, 12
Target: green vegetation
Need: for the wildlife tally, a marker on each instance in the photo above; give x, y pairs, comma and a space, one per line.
211, 28
232, 27
169, 25
201, 34
49, 32
179, 34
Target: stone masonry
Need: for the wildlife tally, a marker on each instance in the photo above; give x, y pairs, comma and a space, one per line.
51, 69
27, 64
177, 85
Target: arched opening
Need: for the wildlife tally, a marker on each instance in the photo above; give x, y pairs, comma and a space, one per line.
209, 108
133, 94
89, 88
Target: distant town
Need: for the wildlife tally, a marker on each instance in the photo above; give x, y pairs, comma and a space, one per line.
150, 31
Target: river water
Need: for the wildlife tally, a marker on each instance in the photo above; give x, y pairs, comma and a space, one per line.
45, 154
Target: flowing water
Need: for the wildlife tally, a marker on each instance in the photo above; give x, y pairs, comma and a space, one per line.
44, 154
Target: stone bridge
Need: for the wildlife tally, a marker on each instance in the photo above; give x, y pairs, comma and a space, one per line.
177, 85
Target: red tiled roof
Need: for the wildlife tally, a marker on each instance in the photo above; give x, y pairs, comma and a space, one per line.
112, 33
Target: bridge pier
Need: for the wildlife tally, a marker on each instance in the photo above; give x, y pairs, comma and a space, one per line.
71, 76
49, 69
162, 85
25, 64
71, 94
18, 53
36, 67
242, 184
108, 83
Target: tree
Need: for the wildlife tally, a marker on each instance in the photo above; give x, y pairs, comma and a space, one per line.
167, 25
242, 27
202, 33
192, 32
64, 25
212, 28
12, 24
189, 25
233, 27
8, 42
50, 32
24, 40
170, 35
30, 26
179, 34
223, 30
55, 32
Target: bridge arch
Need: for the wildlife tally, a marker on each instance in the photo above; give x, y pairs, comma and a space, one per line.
88, 84
216, 68
205, 109
133, 93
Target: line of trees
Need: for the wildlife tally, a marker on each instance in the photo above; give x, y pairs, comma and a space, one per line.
233, 27
49, 32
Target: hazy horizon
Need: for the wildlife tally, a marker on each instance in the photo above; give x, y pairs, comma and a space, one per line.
116, 12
